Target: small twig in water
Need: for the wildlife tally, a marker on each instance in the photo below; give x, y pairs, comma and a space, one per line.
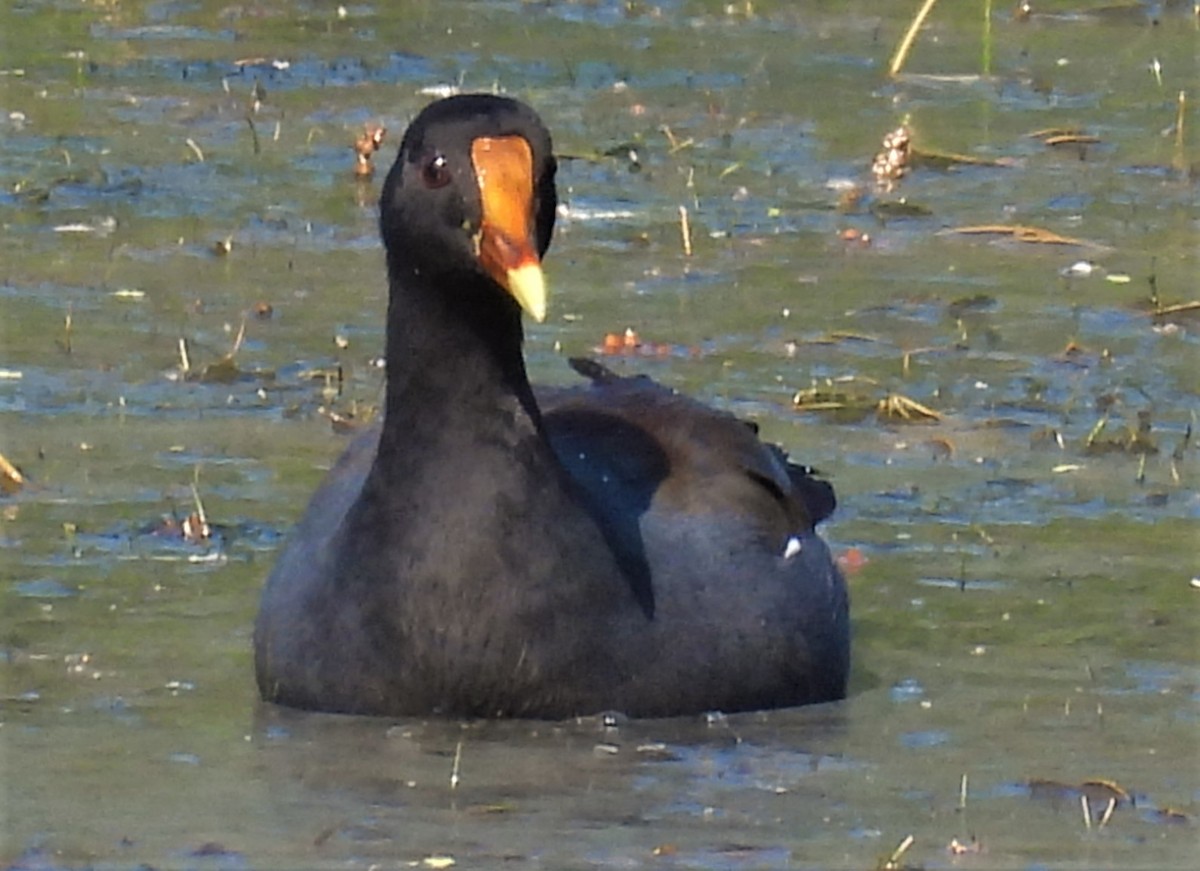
191, 143
1180, 114
200, 512
454, 768
67, 330
1019, 233
195, 526
890, 864
685, 229
238, 339
1108, 812
676, 144
254, 135
1178, 308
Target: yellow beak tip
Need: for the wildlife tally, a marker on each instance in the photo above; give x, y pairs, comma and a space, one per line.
527, 284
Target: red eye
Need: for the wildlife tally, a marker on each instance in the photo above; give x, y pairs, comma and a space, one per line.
435, 173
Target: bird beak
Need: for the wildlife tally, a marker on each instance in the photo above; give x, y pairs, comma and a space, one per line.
507, 250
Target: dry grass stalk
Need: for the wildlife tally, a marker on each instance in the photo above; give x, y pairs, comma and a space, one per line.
195, 526
891, 863
185, 363
895, 406
237, 341
906, 357
1108, 812
1178, 308
1019, 233
1071, 139
910, 36
254, 136
1046, 132
1180, 114
454, 768
676, 143
67, 324
11, 479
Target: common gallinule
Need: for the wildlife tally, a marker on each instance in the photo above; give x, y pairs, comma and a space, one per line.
492, 552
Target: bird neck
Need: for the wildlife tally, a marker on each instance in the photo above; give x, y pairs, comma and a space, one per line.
454, 359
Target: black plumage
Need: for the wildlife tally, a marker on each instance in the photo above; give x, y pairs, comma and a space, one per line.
489, 551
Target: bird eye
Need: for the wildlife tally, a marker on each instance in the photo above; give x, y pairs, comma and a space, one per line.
436, 173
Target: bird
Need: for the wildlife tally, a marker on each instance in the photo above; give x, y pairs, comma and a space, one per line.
494, 551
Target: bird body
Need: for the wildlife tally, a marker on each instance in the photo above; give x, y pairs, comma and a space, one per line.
491, 551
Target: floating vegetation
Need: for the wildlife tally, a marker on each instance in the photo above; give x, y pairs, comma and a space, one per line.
1098, 798
629, 343
224, 370
961, 848
976, 302
192, 528
1018, 233
1132, 440
351, 421
365, 146
898, 407
899, 155
846, 403
1054, 136
900, 208
892, 163
1174, 312
948, 159
1192, 307
1169, 815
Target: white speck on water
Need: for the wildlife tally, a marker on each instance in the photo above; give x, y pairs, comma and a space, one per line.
1079, 269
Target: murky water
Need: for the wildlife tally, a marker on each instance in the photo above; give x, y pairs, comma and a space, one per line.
1022, 575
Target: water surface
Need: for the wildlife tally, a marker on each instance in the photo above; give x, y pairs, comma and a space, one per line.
1023, 602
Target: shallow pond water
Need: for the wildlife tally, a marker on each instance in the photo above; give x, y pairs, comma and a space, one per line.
1022, 569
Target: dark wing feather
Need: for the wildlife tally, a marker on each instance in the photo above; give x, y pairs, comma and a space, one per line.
629, 444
